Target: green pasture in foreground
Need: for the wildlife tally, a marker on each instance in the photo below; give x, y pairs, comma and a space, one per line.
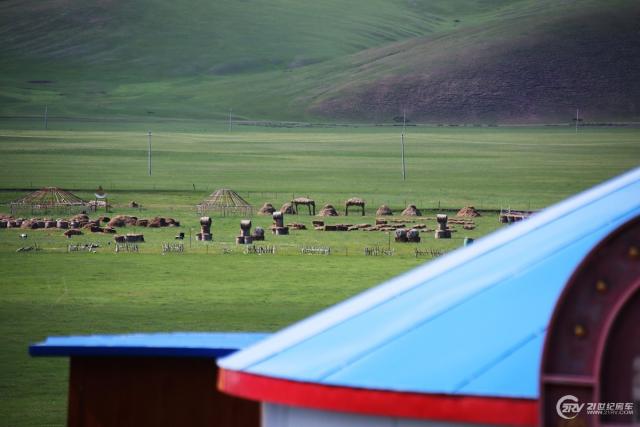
52, 292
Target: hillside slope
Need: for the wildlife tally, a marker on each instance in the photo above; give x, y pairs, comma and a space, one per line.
359, 60
535, 68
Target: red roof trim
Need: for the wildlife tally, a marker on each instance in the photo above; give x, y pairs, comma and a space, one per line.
472, 409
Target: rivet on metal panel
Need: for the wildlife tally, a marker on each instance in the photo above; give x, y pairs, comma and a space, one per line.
601, 286
634, 252
579, 331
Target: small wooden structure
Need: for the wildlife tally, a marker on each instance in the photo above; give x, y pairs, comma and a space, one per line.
134, 237
354, 201
101, 200
162, 379
49, 200
305, 201
226, 202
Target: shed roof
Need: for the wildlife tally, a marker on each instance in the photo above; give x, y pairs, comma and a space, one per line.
176, 344
471, 323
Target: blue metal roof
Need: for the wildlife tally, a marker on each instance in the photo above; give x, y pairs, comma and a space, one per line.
178, 344
469, 323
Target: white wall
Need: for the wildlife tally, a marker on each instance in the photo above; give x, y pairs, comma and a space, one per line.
287, 416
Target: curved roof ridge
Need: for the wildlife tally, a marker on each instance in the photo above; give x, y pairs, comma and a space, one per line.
491, 282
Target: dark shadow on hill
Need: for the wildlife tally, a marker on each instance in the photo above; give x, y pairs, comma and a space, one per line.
528, 70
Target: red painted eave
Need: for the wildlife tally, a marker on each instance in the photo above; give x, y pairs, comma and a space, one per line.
440, 407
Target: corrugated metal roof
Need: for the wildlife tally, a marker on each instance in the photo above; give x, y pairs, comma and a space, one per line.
470, 323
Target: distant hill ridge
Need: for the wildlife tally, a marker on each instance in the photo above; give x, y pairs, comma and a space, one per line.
491, 61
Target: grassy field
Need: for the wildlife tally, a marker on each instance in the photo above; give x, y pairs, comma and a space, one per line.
158, 57
215, 286
109, 74
309, 61
487, 167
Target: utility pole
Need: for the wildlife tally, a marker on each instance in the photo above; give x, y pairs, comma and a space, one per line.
45, 116
404, 123
577, 118
230, 122
149, 153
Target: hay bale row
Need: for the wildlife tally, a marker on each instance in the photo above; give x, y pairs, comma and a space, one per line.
156, 222
384, 210
13, 223
82, 221
461, 221
394, 227
297, 226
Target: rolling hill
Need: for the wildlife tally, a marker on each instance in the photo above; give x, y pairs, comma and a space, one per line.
491, 61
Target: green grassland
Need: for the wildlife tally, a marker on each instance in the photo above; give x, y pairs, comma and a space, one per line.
110, 72
488, 167
462, 61
215, 286
169, 58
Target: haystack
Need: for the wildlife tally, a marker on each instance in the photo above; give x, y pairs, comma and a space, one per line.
384, 210
328, 210
80, 218
226, 202
468, 211
411, 210
266, 209
121, 221
49, 199
288, 208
